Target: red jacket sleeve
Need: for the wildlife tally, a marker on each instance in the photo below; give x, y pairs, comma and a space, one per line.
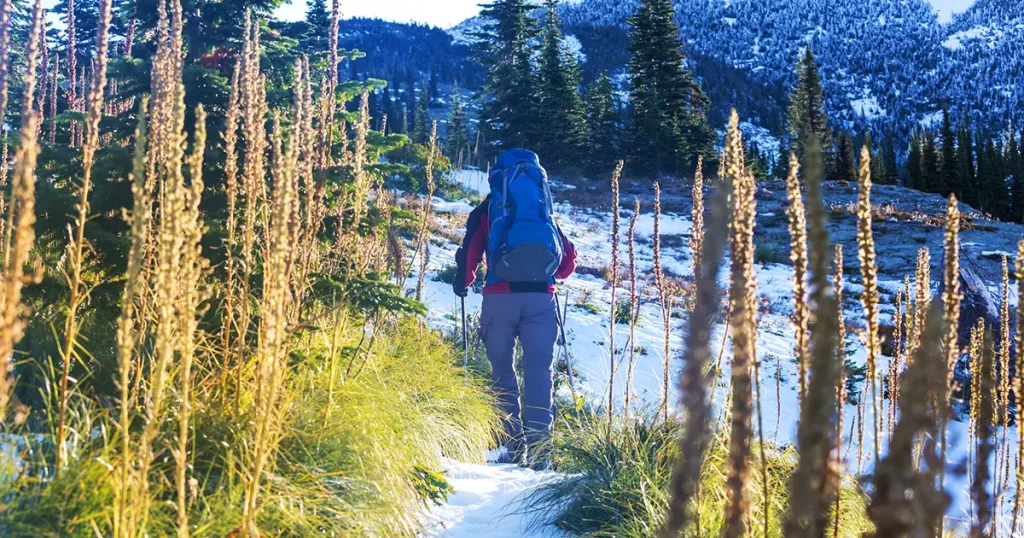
474, 246
568, 265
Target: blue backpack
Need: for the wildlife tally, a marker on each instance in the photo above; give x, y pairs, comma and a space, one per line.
523, 242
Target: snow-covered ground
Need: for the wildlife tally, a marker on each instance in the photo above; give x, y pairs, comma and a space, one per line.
487, 495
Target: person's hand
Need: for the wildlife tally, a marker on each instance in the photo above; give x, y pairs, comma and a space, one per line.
460, 290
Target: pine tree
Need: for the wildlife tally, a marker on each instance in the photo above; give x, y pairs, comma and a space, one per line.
807, 116
930, 165
318, 16
421, 123
889, 162
403, 122
877, 163
602, 127
846, 165
458, 141
965, 174
995, 201
915, 165
947, 178
1013, 170
560, 142
506, 48
782, 164
669, 128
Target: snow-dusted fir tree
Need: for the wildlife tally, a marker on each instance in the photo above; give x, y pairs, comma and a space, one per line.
457, 144
421, 122
930, 165
807, 117
914, 165
846, 165
669, 128
947, 180
559, 105
965, 173
318, 16
1015, 171
602, 127
506, 48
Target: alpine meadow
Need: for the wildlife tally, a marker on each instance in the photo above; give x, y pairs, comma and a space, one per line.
582, 268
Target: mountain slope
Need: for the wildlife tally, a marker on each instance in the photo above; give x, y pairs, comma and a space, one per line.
879, 58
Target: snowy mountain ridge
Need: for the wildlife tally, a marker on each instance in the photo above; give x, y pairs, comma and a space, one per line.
880, 59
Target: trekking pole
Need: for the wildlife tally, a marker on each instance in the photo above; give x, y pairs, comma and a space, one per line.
465, 342
560, 316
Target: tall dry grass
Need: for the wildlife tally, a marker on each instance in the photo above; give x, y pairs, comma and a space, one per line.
614, 286
634, 306
951, 299
76, 250
869, 299
1019, 389
837, 463
798, 255
743, 310
696, 378
665, 302
17, 250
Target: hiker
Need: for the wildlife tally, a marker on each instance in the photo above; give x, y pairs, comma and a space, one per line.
526, 252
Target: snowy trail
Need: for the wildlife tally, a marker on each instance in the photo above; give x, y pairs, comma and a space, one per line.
486, 493
486, 503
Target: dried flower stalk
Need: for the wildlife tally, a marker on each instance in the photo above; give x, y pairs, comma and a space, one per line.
696, 377
614, 285
798, 255
743, 311
634, 305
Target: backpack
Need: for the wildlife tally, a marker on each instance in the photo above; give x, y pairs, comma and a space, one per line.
523, 242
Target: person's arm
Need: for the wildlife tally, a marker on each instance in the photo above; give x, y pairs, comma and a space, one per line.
568, 265
471, 254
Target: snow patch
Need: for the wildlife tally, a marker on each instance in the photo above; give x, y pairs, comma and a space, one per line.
867, 107
486, 502
978, 33
947, 8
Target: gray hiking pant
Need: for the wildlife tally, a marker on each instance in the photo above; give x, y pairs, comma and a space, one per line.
532, 319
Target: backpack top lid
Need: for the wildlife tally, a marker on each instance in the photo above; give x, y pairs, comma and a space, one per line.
509, 159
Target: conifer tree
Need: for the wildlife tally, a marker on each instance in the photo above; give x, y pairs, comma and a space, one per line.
807, 116
877, 163
559, 104
781, 169
602, 127
458, 141
915, 165
421, 123
846, 166
992, 177
1013, 170
669, 129
318, 16
947, 178
889, 162
930, 165
506, 49
965, 174
403, 121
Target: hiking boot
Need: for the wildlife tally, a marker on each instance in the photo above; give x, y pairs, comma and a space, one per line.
538, 460
513, 453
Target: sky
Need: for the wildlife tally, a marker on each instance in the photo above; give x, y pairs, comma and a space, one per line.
441, 13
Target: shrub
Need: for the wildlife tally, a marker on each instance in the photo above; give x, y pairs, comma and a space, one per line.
625, 315
617, 484
770, 252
